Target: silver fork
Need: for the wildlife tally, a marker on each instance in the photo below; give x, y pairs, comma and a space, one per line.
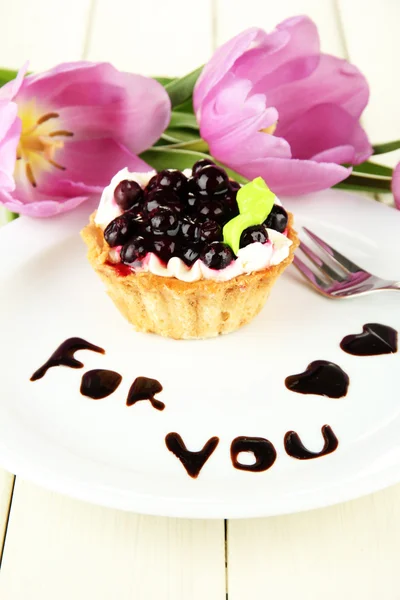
335, 275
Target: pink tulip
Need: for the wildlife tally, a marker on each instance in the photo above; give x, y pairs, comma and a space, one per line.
64, 133
272, 105
396, 185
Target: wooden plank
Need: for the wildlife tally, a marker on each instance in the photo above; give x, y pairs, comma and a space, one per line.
346, 551
371, 30
6, 490
45, 32
62, 548
365, 24
152, 37
235, 15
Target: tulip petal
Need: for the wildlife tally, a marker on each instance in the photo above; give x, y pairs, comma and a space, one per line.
234, 109
89, 166
223, 59
233, 125
242, 148
95, 162
11, 88
324, 127
318, 99
340, 155
43, 208
10, 129
334, 81
396, 185
97, 100
290, 52
293, 177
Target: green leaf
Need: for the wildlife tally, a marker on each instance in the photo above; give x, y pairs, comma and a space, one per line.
6, 216
181, 119
385, 148
234, 228
163, 157
163, 141
196, 144
180, 90
164, 80
7, 75
255, 201
179, 135
374, 185
256, 198
186, 107
373, 169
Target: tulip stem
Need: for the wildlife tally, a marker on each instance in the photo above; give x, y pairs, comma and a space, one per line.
183, 119
385, 148
372, 168
197, 145
363, 182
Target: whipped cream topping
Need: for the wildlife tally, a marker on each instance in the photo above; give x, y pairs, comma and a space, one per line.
251, 258
108, 209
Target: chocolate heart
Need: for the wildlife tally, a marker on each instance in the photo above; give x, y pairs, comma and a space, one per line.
295, 448
375, 339
192, 461
322, 378
144, 388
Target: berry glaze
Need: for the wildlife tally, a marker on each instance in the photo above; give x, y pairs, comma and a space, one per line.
171, 224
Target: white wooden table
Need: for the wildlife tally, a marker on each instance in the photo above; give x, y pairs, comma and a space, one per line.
57, 548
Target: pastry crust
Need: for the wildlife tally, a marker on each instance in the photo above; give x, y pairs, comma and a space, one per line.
178, 309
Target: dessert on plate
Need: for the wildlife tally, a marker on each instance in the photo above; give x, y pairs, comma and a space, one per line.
189, 254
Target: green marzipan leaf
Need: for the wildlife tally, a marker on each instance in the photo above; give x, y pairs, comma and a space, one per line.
373, 169
181, 89
185, 120
385, 148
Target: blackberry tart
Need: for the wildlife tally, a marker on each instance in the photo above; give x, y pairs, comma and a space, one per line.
191, 254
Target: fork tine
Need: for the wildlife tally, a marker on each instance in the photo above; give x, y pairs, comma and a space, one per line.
312, 277
321, 264
335, 256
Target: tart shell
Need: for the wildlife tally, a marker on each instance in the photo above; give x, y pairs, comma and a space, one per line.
177, 309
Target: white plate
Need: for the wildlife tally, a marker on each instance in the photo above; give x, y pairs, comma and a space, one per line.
104, 452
